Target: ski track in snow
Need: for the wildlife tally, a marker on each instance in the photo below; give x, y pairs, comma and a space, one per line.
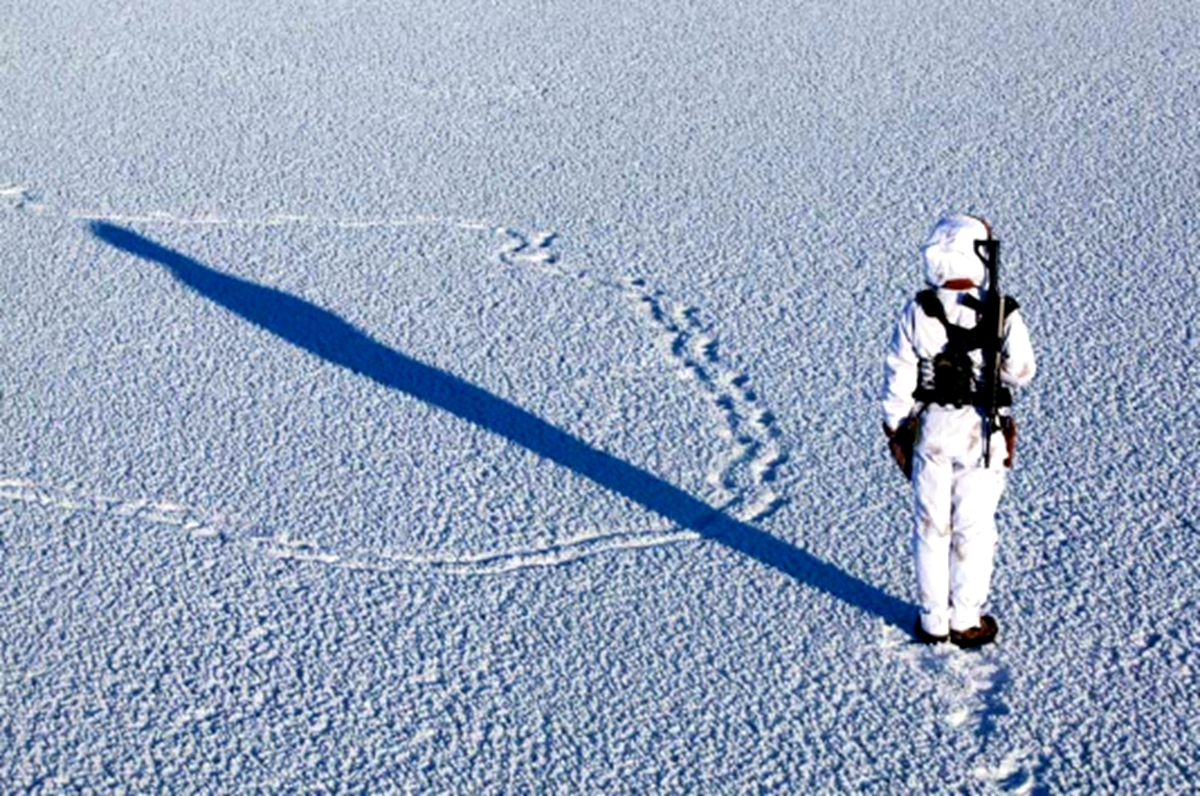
970, 688
739, 481
197, 523
202, 525
489, 563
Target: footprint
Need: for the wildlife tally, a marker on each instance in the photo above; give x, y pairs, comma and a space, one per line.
530, 250
1015, 773
21, 199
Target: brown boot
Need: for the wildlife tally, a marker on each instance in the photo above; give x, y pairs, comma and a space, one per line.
982, 633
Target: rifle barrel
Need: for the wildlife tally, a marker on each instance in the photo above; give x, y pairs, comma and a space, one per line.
996, 299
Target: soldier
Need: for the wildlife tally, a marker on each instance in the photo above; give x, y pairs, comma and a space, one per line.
939, 401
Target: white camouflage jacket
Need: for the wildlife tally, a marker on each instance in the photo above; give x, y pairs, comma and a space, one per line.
955, 270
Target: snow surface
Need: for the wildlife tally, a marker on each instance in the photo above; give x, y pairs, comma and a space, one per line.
448, 397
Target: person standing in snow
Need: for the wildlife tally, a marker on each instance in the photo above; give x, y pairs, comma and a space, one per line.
935, 399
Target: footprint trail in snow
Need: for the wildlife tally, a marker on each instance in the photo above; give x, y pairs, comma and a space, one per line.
740, 481
970, 688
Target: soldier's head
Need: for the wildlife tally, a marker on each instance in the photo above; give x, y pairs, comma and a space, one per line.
950, 253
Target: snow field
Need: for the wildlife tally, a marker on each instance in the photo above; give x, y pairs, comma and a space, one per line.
580, 489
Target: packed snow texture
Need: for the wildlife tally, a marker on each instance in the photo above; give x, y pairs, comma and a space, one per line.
448, 397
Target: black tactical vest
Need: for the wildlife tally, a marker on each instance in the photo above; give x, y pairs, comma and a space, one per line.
949, 378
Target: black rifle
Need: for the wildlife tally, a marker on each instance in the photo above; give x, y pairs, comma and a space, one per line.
989, 251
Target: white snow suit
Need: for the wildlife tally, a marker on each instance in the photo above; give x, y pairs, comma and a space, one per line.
955, 493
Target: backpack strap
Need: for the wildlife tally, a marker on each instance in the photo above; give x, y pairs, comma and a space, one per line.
956, 336
1010, 304
931, 305
928, 301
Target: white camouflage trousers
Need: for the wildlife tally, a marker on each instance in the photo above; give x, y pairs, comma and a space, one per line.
954, 511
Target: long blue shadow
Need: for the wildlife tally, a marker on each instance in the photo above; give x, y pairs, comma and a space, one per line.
328, 336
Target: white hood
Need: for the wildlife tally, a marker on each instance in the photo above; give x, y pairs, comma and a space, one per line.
949, 253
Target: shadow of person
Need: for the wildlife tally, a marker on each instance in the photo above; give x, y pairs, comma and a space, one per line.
328, 336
